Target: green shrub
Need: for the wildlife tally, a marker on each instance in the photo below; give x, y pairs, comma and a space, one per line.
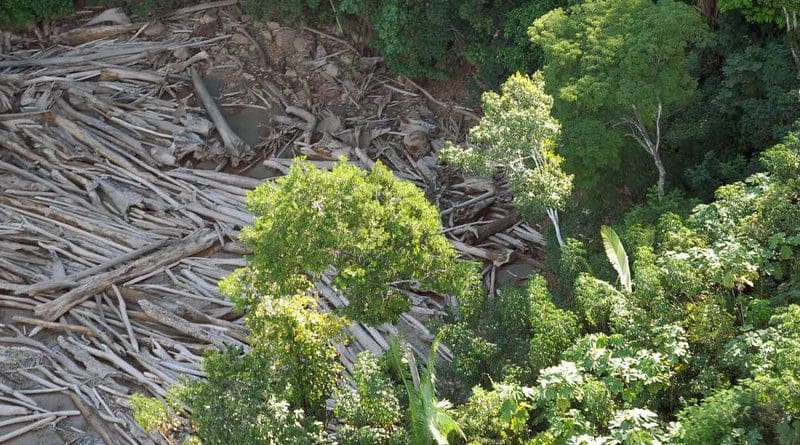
415, 38
370, 412
719, 420
239, 404
475, 360
598, 302
152, 414
497, 416
500, 46
554, 329
373, 400
18, 13
525, 332
708, 323
650, 293
572, 262
511, 321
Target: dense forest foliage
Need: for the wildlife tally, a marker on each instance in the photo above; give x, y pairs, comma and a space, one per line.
656, 140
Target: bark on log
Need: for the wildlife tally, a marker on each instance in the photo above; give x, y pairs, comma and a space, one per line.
82, 35
188, 246
237, 149
71, 280
163, 316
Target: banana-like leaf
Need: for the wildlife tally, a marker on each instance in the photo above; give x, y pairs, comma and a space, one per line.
430, 419
617, 256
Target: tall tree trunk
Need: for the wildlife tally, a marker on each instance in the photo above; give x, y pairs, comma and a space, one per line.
708, 8
662, 174
652, 145
791, 35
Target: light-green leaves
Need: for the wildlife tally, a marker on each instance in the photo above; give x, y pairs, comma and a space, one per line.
380, 234
617, 256
518, 134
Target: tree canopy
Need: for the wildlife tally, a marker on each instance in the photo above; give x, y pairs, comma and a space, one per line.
377, 233
602, 77
518, 134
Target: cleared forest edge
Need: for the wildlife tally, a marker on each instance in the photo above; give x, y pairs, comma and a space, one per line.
126, 150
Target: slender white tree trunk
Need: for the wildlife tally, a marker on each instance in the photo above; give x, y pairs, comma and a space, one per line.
553, 215
652, 145
662, 174
791, 28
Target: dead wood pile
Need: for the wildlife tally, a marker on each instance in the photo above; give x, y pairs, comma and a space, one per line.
123, 187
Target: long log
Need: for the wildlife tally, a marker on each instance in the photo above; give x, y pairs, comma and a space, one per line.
233, 144
82, 35
163, 316
188, 246
71, 280
53, 325
138, 50
93, 419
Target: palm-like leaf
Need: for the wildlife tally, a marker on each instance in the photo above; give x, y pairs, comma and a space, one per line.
617, 256
429, 418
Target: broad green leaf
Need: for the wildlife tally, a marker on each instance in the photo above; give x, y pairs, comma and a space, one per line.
617, 256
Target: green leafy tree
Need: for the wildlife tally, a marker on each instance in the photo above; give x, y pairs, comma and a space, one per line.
617, 64
274, 393
518, 134
238, 404
297, 339
378, 233
782, 13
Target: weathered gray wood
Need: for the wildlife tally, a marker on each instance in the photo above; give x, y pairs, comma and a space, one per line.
163, 316
172, 252
72, 279
237, 149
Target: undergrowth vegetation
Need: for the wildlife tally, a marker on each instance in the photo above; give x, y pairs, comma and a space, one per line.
694, 338
17, 13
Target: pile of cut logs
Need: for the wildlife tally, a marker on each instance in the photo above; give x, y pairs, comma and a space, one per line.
114, 232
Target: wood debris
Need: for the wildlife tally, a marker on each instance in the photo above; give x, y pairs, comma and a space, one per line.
123, 178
